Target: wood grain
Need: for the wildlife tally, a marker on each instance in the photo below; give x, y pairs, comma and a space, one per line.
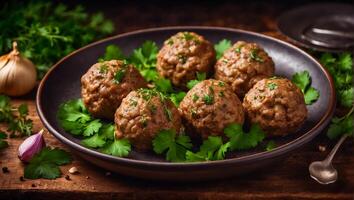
288, 180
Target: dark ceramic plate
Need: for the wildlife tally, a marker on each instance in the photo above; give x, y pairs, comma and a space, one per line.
63, 83
296, 24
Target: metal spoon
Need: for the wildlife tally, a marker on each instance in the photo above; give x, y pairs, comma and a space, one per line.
323, 171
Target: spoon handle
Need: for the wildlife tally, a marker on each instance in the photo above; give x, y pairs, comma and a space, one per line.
330, 156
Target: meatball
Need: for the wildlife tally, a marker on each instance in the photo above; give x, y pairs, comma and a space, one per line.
183, 55
277, 105
210, 106
243, 65
105, 84
142, 114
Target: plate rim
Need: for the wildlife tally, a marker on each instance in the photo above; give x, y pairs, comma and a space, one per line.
278, 151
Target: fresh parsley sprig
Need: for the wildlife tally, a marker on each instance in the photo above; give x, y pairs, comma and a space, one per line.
3, 143
340, 66
16, 117
303, 81
212, 149
221, 47
240, 140
174, 145
45, 164
342, 125
75, 118
47, 32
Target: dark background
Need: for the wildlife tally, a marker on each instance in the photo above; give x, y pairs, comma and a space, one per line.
254, 15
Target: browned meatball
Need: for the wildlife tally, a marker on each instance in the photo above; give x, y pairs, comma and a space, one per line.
142, 114
183, 55
210, 106
105, 84
243, 65
277, 105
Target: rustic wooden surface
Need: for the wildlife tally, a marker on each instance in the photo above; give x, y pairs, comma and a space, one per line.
288, 180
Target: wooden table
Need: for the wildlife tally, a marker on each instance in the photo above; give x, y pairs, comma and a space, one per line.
289, 180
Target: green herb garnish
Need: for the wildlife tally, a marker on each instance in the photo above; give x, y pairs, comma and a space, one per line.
46, 164
240, 140
272, 86
254, 55
174, 146
221, 47
119, 75
200, 77
303, 81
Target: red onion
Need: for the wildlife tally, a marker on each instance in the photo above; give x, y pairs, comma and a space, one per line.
31, 146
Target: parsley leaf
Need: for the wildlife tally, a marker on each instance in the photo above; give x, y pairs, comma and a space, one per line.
119, 75
176, 98
340, 66
47, 31
240, 140
18, 124
340, 126
175, 147
270, 145
200, 77
120, 148
3, 144
221, 46
113, 52
211, 149
45, 164
303, 81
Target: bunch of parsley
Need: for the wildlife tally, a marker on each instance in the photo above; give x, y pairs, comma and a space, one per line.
47, 32
75, 119
16, 117
341, 68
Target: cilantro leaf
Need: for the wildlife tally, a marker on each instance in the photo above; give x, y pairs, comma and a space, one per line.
176, 98
340, 126
303, 81
94, 141
3, 144
340, 66
175, 147
270, 145
221, 46
200, 77
239, 140
45, 164
113, 52
311, 95
120, 148
163, 85
211, 149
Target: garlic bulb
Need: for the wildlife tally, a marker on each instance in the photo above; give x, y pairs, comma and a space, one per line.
17, 74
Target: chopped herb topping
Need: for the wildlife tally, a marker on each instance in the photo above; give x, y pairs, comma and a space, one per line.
209, 98
144, 121
225, 60
272, 86
170, 42
238, 49
168, 113
103, 69
221, 84
254, 55
182, 58
195, 97
221, 94
194, 113
119, 75
152, 108
147, 94
133, 102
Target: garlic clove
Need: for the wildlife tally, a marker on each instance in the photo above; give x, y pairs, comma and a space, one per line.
17, 74
31, 146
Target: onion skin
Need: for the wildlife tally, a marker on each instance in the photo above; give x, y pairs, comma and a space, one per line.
31, 146
18, 75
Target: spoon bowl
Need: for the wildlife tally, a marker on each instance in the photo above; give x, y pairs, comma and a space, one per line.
323, 173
